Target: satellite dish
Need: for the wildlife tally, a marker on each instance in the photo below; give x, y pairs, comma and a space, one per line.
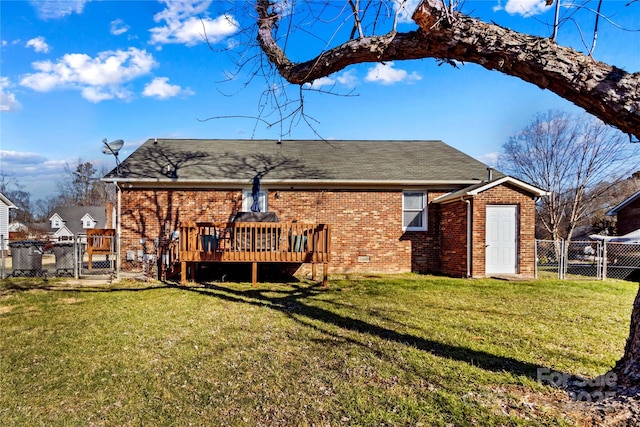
113, 147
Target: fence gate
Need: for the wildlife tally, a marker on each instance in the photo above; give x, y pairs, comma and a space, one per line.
98, 252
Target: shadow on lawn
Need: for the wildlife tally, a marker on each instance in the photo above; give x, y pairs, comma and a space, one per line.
8, 286
291, 302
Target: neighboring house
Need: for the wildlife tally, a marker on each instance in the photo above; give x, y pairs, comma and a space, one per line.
627, 213
5, 205
393, 206
21, 231
67, 222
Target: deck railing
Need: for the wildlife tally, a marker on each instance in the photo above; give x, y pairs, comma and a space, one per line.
100, 241
255, 242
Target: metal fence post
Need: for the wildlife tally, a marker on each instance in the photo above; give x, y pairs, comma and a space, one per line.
76, 264
599, 260
536, 257
604, 260
563, 259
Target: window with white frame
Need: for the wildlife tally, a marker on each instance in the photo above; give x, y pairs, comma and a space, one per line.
414, 210
247, 200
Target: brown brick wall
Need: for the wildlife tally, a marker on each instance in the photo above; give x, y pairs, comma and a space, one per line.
454, 239
367, 234
628, 218
505, 195
364, 223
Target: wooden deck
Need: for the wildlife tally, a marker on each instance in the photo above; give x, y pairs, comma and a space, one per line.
250, 242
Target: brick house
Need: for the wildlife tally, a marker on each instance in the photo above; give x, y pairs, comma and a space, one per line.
627, 214
393, 206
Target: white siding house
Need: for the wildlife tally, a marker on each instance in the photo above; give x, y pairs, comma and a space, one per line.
5, 205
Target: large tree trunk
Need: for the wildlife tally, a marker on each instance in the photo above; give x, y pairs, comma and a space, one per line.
628, 368
605, 91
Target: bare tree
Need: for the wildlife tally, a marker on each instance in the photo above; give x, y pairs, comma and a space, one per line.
44, 208
14, 191
606, 91
569, 157
83, 187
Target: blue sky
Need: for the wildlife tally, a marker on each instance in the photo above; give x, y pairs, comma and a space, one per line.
75, 72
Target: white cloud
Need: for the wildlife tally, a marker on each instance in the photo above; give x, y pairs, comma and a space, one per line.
160, 88
490, 159
118, 27
11, 43
55, 9
405, 9
347, 78
525, 7
387, 75
38, 44
21, 158
187, 23
322, 81
8, 101
98, 78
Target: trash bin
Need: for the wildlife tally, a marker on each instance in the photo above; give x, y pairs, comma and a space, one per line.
63, 252
26, 258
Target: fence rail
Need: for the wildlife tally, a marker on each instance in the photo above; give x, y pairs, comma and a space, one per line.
587, 259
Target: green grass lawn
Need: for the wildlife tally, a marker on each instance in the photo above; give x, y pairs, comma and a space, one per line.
389, 350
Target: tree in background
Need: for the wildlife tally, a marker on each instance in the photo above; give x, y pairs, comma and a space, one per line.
15, 192
83, 187
44, 208
576, 159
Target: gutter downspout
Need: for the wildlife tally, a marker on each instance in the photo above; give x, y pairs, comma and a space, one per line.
118, 231
469, 240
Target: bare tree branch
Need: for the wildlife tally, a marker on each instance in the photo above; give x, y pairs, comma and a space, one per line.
605, 91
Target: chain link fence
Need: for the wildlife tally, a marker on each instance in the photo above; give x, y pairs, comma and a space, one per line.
74, 258
587, 259
140, 262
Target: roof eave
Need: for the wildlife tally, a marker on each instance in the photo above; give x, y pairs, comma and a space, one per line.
461, 195
286, 183
617, 208
8, 202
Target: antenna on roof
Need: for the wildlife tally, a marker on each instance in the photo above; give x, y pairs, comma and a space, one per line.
113, 148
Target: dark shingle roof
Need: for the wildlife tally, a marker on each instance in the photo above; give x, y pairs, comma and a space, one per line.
72, 216
193, 160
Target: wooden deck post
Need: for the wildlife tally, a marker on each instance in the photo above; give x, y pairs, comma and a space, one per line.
183, 273
254, 274
313, 271
325, 275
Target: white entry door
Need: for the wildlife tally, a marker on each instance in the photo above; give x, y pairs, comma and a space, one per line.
501, 240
